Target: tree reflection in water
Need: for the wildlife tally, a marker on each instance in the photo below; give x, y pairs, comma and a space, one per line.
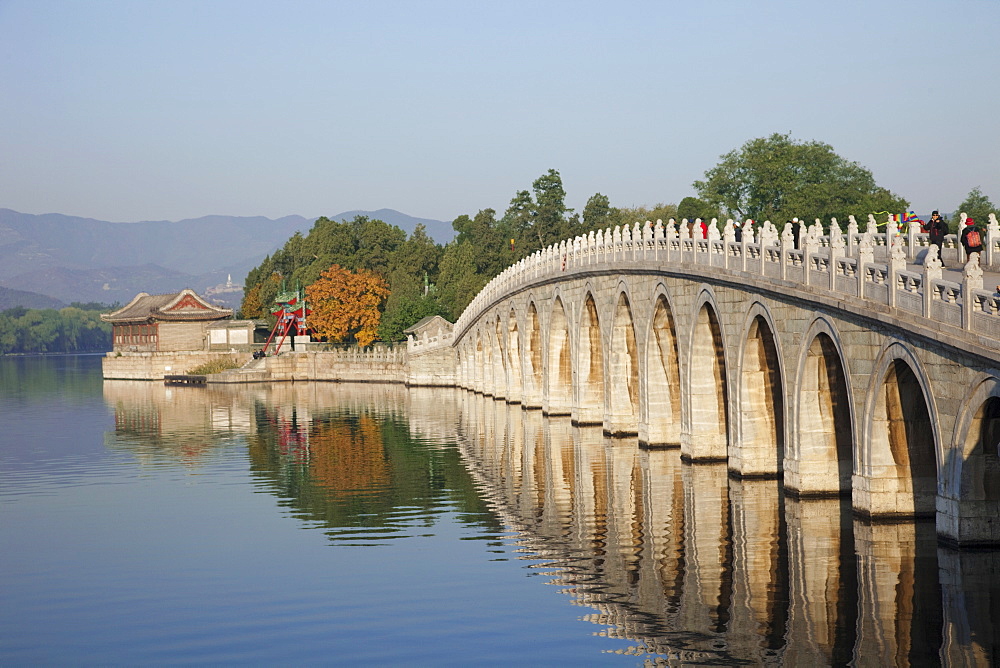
681, 559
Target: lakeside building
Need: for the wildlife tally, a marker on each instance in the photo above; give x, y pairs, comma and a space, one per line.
181, 321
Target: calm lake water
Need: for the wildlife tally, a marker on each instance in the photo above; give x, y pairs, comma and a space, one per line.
375, 525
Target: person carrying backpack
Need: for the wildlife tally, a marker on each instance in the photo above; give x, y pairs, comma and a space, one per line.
972, 241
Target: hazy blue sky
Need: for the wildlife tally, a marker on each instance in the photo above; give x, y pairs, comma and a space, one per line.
139, 110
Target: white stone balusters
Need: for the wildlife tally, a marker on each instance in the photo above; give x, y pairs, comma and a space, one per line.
787, 244
972, 279
932, 272
962, 217
728, 237
787, 236
810, 247
768, 234
671, 239
836, 252
992, 241
890, 231
897, 265
817, 228
912, 230
872, 227
866, 256
852, 233
897, 255
626, 241
713, 230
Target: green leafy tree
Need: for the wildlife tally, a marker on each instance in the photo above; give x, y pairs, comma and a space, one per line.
693, 207
359, 244
599, 214
640, 214
460, 280
550, 222
67, 330
777, 177
412, 279
977, 206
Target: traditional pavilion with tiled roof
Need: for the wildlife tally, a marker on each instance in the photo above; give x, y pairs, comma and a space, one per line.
173, 322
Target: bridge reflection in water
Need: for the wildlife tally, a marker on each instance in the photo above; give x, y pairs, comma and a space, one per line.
677, 557
691, 563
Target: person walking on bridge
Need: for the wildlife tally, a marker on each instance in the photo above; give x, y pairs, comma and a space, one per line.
936, 229
971, 239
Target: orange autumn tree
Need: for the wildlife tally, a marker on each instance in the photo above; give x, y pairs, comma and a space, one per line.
346, 303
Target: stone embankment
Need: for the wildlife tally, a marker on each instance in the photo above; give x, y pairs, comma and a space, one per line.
377, 364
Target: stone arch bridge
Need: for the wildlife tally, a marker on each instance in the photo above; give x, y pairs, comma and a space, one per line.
841, 367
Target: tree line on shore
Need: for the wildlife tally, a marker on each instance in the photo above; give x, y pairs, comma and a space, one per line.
367, 280
74, 329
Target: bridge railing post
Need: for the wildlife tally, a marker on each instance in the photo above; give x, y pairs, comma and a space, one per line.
866, 256
992, 240
931, 273
972, 280
810, 248
852, 231
897, 264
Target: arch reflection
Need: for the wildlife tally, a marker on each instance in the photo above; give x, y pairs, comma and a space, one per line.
690, 563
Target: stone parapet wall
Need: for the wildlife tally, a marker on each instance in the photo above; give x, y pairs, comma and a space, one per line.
434, 368
154, 366
339, 365
381, 364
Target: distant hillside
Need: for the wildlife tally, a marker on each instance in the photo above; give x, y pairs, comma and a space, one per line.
11, 298
81, 259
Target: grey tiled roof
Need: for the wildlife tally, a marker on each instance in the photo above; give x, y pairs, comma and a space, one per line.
149, 308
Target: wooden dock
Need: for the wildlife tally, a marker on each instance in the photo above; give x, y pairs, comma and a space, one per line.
184, 379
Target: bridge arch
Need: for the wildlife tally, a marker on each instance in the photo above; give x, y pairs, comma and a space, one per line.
820, 454
705, 436
623, 365
499, 360
489, 368
515, 389
970, 509
900, 446
759, 447
661, 394
590, 365
478, 367
559, 361
533, 358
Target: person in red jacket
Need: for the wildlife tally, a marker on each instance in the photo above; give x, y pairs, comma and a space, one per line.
972, 240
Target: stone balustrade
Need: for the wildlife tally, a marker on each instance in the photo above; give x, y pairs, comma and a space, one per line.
871, 265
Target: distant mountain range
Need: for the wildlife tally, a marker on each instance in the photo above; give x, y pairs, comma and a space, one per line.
69, 259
